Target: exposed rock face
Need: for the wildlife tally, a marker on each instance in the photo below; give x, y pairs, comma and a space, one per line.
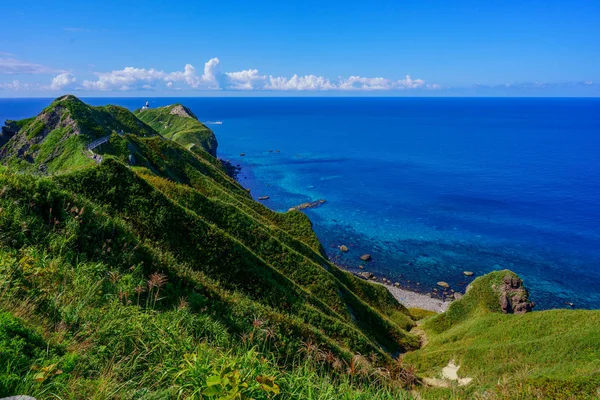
182, 111
514, 298
36, 132
231, 170
8, 131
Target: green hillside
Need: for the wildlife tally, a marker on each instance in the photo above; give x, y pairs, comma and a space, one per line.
553, 354
127, 271
178, 123
140, 270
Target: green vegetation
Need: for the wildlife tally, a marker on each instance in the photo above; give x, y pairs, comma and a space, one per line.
154, 275
179, 124
552, 354
167, 280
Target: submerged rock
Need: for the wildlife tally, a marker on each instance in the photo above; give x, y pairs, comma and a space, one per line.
264, 198
343, 248
366, 257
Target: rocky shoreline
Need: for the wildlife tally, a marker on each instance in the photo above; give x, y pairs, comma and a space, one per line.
407, 297
412, 299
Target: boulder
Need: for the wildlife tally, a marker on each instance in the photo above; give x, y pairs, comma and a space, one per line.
396, 284
343, 248
361, 267
367, 275
468, 273
443, 284
457, 296
365, 257
263, 198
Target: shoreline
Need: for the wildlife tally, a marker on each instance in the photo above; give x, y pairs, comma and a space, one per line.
409, 298
412, 299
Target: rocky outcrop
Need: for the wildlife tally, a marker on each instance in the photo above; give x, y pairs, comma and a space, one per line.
231, 169
514, 298
310, 204
367, 275
35, 132
9, 130
182, 111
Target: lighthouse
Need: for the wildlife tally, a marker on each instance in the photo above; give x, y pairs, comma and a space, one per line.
147, 106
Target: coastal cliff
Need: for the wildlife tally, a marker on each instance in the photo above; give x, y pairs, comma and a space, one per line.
162, 278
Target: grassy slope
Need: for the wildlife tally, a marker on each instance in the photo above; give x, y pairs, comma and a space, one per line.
77, 251
185, 130
248, 296
547, 354
54, 140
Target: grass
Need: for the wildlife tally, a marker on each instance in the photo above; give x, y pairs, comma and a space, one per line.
548, 354
185, 130
166, 280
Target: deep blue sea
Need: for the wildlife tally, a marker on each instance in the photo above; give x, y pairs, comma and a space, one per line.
430, 187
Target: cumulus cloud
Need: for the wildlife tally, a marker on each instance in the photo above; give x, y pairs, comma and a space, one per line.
131, 78
62, 81
9, 65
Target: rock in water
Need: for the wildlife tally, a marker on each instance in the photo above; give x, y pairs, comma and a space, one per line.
365, 257
311, 204
367, 275
443, 284
514, 298
263, 198
343, 248
468, 273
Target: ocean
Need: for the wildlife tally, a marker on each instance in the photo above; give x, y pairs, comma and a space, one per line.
429, 187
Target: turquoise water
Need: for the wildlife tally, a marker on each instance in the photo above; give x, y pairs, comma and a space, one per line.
429, 187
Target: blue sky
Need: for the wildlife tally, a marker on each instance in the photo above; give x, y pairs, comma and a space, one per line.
196, 48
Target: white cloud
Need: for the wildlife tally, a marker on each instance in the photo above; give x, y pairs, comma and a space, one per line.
62, 81
307, 82
126, 79
248, 79
14, 86
131, 78
13, 66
